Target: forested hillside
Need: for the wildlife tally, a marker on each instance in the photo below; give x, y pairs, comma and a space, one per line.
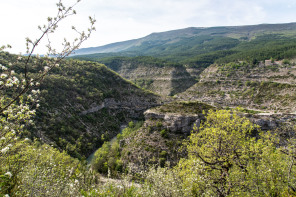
192, 112
82, 104
200, 47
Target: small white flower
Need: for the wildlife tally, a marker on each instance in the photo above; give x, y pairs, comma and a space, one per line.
8, 174
6, 195
3, 76
4, 150
27, 139
46, 68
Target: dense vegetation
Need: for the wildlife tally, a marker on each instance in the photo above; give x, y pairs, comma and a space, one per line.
261, 48
202, 47
225, 158
66, 95
47, 131
114, 62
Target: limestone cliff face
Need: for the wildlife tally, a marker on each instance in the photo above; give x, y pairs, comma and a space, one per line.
177, 117
272, 121
184, 123
134, 107
261, 87
174, 122
161, 79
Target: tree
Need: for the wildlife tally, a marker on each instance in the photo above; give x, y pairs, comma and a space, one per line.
19, 92
221, 147
225, 160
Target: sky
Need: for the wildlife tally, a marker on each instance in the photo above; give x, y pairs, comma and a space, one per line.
120, 20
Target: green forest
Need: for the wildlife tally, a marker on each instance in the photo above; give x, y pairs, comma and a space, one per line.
204, 51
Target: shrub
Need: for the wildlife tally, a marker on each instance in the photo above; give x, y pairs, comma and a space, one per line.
164, 133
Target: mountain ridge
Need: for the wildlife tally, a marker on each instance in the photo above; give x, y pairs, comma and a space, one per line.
226, 31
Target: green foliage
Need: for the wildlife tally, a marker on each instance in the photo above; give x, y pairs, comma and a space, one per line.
262, 48
66, 95
159, 124
108, 157
224, 160
208, 46
183, 107
131, 124
221, 146
164, 133
287, 62
31, 168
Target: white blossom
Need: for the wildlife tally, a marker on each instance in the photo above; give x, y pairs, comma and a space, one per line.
27, 139
3, 67
46, 68
3, 76
4, 150
8, 174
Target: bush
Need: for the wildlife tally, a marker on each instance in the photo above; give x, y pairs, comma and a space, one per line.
164, 133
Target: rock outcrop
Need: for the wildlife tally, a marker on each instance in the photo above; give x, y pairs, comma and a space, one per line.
159, 78
184, 123
174, 122
267, 88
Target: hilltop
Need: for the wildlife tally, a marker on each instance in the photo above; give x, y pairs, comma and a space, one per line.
202, 46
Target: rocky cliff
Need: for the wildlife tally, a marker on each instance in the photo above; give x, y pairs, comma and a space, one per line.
262, 87
153, 74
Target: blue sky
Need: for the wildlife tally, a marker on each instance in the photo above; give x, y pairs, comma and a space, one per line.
119, 20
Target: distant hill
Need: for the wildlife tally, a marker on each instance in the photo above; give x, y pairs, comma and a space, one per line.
200, 47
178, 36
192, 50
